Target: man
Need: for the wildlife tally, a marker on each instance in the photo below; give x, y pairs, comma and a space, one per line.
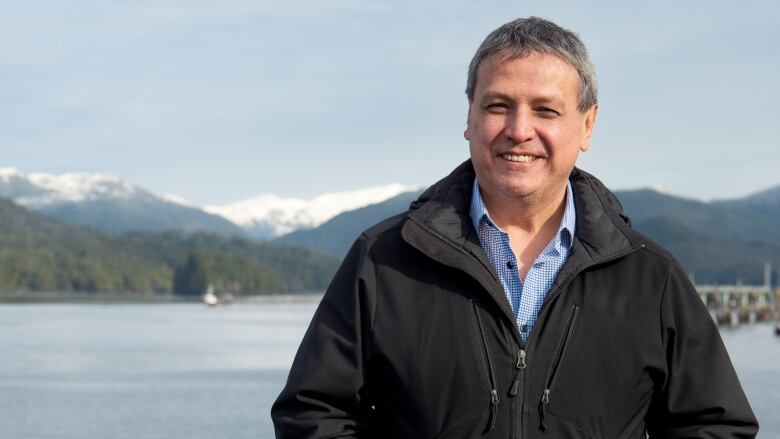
513, 300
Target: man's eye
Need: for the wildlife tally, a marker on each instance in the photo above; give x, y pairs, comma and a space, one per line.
547, 112
496, 108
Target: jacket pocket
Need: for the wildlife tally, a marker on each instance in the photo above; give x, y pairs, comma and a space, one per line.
552, 373
490, 367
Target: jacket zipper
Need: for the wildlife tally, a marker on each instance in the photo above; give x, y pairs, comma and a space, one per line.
553, 372
519, 366
515, 390
494, 400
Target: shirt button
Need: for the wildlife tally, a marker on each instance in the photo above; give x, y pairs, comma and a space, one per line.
524, 328
510, 265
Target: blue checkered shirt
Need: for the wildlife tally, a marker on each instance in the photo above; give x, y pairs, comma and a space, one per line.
525, 297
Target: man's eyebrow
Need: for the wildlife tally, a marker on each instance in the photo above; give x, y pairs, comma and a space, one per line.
550, 100
494, 95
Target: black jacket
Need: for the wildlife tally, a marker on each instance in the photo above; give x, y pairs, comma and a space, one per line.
414, 338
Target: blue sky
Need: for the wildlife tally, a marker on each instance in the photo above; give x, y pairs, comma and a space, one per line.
220, 101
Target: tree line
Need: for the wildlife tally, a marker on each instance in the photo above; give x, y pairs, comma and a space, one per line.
38, 253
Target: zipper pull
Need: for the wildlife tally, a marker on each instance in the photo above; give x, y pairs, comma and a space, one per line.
515, 385
520, 359
542, 404
520, 365
493, 409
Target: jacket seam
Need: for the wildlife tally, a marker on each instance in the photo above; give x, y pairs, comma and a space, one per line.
661, 318
604, 208
369, 251
450, 185
372, 233
666, 257
368, 345
479, 349
455, 246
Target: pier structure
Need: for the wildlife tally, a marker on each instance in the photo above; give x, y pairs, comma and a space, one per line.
736, 304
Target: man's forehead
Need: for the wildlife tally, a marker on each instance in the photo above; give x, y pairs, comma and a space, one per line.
507, 55
550, 76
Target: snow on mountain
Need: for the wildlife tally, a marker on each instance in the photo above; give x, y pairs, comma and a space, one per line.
110, 203
269, 216
38, 190
177, 199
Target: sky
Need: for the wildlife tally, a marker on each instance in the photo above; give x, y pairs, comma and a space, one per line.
221, 101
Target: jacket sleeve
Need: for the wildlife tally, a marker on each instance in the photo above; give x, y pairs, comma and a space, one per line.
326, 395
701, 395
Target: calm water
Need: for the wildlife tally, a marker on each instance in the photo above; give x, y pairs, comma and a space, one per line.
181, 370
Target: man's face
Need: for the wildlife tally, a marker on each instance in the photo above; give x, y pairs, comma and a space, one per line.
524, 128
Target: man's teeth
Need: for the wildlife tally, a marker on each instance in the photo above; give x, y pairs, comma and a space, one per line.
522, 158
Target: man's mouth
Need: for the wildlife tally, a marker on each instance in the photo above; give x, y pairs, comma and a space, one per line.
520, 158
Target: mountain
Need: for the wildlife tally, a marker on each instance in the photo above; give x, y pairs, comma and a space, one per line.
108, 203
38, 253
711, 258
113, 205
765, 204
708, 218
716, 242
269, 216
722, 241
336, 235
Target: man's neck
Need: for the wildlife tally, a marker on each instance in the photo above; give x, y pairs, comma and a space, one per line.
530, 226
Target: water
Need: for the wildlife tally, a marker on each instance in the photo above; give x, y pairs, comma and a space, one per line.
755, 352
144, 371
182, 370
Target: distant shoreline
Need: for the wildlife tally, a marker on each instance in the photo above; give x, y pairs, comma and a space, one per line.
43, 297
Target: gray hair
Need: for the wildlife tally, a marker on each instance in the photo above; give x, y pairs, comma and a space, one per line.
524, 36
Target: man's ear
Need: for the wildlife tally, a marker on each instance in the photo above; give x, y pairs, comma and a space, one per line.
590, 122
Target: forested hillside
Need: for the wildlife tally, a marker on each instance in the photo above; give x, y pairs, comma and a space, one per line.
42, 254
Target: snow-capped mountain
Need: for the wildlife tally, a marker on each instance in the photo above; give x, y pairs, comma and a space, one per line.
37, 190
268, 216
106, 202
114, 205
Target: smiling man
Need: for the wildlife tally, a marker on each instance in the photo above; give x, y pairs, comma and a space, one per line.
513, 299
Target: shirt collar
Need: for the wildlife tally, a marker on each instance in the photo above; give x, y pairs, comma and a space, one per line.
566, 230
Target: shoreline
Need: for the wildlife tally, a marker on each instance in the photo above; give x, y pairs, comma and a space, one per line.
76, 297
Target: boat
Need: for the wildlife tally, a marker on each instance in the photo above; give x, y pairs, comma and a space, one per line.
210, 298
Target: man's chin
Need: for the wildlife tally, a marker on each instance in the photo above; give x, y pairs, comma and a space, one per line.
518, 187
515, 192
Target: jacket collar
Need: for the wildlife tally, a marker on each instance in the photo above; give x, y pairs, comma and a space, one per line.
439, 225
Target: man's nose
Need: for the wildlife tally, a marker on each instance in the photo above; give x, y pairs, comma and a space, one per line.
519, 126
